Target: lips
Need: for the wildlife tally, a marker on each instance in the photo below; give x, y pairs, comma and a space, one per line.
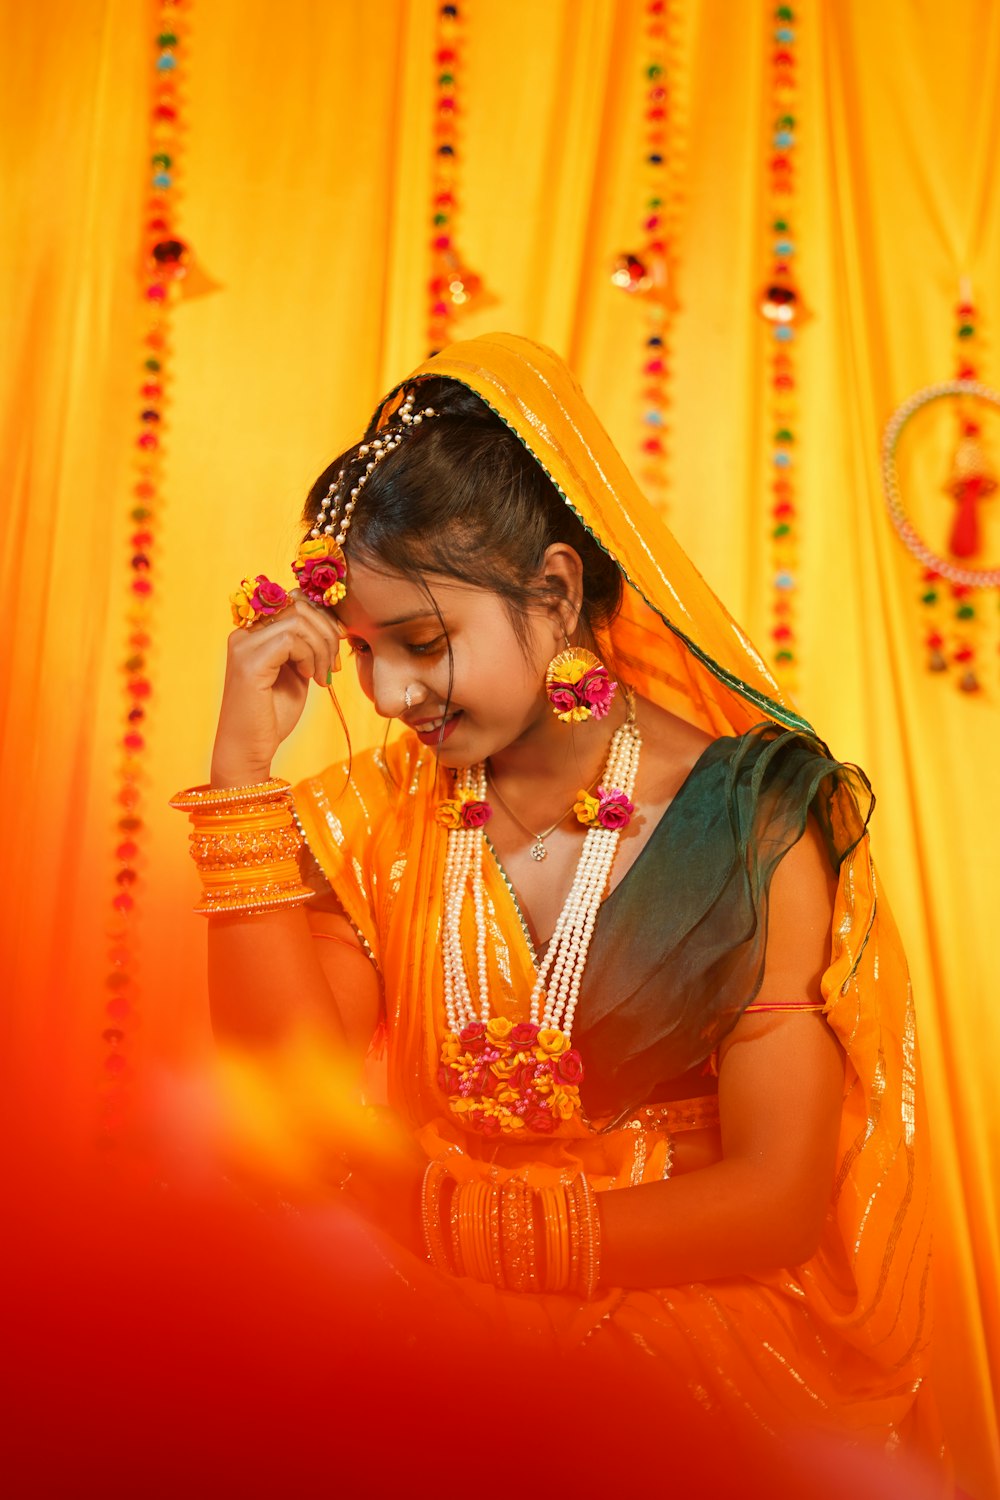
436, 731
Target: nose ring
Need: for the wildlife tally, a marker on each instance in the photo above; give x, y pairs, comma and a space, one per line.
408, 698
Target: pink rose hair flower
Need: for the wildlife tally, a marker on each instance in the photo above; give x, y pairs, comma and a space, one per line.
321, 579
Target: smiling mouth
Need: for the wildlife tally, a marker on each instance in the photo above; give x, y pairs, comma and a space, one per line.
431, 728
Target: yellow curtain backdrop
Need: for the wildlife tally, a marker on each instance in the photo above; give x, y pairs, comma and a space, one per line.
305, 184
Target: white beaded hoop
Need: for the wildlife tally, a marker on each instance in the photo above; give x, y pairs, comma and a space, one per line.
976, 578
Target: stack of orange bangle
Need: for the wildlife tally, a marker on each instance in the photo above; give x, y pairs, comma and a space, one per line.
511, 1236
246, 846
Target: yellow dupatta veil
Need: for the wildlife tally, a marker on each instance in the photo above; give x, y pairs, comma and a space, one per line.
839, 1342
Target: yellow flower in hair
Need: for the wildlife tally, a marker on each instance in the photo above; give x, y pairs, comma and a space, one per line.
498, 1028
334, 594
551, 1041
314, 547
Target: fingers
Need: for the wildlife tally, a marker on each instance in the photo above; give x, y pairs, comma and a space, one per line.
329, 619
303, 635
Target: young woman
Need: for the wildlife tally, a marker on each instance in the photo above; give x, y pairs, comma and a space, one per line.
647, 1026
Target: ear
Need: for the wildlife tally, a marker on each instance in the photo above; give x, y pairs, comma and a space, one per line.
562, 574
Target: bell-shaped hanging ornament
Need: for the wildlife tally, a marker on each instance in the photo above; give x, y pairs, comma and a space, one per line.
971, 480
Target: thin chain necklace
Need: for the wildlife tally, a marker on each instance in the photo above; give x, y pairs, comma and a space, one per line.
538, 849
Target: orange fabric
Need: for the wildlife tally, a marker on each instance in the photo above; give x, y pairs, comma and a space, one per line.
841, 1341
287, 199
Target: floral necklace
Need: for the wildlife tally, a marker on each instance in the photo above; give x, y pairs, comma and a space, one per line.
500, 1077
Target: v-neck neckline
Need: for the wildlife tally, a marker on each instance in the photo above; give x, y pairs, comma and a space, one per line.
656, 832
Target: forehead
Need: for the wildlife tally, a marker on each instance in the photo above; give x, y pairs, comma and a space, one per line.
377, 599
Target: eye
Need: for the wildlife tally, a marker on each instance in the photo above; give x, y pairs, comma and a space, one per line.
357, 647
429, 648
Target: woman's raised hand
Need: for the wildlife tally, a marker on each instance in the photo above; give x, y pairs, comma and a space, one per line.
268, 670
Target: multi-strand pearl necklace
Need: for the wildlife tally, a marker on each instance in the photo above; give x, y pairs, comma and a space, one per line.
556, 990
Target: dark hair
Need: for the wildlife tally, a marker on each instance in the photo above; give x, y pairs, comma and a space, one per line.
462, 497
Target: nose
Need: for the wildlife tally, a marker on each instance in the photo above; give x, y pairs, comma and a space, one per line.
390, 684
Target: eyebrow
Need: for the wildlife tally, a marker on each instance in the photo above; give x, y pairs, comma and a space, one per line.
420, 614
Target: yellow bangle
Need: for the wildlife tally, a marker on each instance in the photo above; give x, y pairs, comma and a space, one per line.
515, 1234
496, 1255
457, 1201
590, 1270
207, 796
431, 1203
245, 844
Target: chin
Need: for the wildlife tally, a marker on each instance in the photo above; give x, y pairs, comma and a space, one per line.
454, 760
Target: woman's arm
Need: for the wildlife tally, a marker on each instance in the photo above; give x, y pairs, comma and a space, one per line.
781, 1080
277, 974
270, 980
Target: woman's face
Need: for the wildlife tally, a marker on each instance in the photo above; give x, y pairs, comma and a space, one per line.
487, 695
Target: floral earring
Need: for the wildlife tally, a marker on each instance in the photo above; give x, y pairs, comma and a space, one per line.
579, 685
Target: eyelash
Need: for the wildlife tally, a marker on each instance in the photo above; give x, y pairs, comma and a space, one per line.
426, 648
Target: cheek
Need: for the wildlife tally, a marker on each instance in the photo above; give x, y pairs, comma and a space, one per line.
363, 663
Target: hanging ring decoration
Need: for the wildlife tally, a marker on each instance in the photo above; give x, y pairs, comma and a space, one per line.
975, 578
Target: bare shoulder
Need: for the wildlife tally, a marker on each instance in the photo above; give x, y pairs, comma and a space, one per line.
670, 749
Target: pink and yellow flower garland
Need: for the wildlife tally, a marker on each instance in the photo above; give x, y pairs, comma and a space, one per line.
505, 1077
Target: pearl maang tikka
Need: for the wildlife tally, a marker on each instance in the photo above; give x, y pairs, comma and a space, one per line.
374, 451
320, 566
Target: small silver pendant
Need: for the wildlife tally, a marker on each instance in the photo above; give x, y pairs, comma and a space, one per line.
538, 850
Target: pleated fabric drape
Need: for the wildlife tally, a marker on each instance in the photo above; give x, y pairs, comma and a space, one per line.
305, 188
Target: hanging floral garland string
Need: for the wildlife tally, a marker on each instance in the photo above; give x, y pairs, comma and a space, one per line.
165, 261
453, 288
781, 307
650, 272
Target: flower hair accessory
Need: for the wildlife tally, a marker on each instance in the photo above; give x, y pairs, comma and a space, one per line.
609, 809
320, 568
320, 565
579, 686
464, 810
256, 599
